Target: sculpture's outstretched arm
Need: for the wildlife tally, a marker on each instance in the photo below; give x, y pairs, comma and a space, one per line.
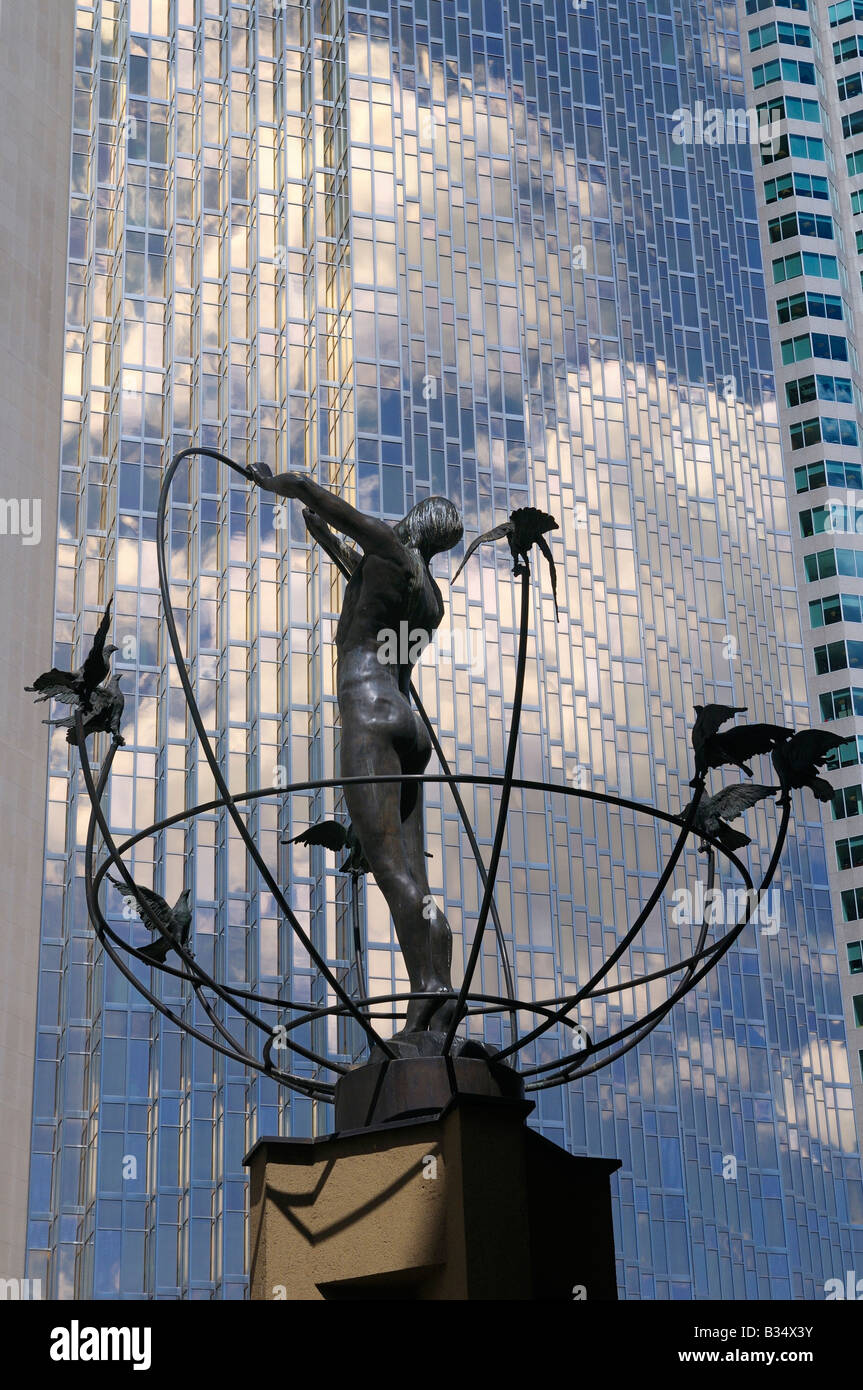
374, 537
343, 556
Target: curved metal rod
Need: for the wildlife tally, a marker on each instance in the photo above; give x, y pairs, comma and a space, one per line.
506, 968
199, 979
677, 993
473, 778
312, 1090
163, 966
500, 828
527, 784
199, 988
197, 972
678, 965
629, 936
491, 1003
230, 805
477, 779
97, 817
722, 947
716, 950
356, 928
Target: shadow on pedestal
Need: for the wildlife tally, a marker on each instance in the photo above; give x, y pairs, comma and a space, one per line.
466, 1203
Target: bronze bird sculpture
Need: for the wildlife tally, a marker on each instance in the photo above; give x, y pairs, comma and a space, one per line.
715, 749
335, 837
797, 758
78, 687
525, 528
714, 812
106, 711
176, 920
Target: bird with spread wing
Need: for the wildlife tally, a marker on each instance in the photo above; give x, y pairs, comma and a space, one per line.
714, 812
335, 837
176, 920
797, 758
525, 528
734, 746
106, 711
77, 688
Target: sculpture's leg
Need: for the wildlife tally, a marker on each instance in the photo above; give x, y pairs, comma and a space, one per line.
437, 926
393, 849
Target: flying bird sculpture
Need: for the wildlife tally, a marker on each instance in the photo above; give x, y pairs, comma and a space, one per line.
337, 837
714, 812
797, 758
106, 711
77, 687
734, 746
176, 920
525, 528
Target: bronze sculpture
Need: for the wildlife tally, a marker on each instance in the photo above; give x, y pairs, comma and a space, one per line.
393, 589
390, 586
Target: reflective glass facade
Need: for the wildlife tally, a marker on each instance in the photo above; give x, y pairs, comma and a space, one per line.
445, 247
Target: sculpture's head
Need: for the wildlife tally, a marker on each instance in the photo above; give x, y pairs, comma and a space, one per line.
433, 525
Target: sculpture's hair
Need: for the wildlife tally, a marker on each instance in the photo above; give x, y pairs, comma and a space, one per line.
434, 524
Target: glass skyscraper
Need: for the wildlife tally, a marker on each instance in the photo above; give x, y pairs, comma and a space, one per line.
811, 203
447, 247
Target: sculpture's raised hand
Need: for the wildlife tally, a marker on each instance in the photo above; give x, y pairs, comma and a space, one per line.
282, 484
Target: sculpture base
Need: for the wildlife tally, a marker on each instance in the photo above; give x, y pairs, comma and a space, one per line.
419, 1081
469, 1204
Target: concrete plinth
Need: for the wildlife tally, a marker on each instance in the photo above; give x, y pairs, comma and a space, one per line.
468, 1204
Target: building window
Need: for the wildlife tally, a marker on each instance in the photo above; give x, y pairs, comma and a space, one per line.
830, 345
755, 6
855, 957
823, 428
805, 389
838, 14
800, 224
826, 564
835, 608
805, 263
858, 1010
841, 704
839, 656
848, 754
852, 904
814, 521
850, 86
784, 70
847, 802
797, 35
849, 853
853, 124
814, 475
848, 48
784, 107
809, 304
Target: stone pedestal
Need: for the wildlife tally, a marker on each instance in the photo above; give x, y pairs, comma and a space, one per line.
465, 1204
